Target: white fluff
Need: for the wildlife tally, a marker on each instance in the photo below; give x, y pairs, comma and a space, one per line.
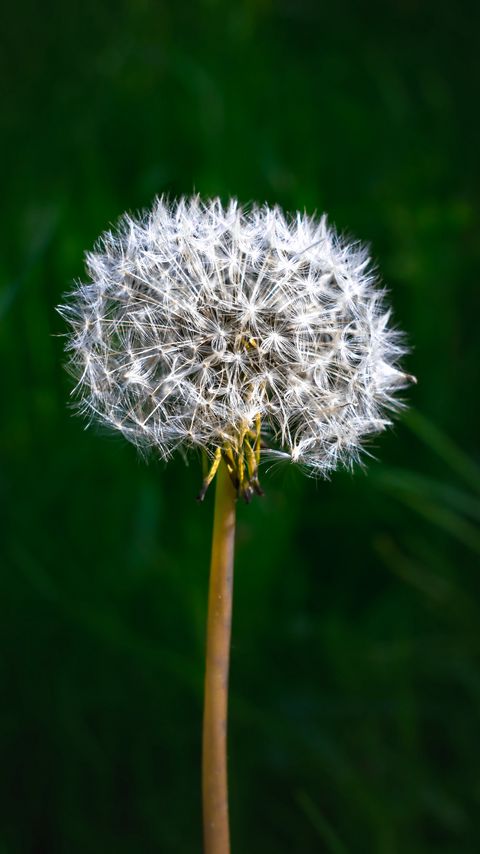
198, 318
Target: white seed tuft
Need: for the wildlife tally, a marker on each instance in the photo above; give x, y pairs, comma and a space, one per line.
199, 319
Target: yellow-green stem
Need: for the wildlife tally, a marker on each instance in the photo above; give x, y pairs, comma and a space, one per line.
214, 750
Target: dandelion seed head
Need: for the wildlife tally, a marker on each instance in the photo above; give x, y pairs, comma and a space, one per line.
200, 320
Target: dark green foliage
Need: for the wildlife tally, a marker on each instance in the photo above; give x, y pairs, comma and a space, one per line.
355, 688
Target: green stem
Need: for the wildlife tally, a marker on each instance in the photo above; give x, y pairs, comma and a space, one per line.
214, 749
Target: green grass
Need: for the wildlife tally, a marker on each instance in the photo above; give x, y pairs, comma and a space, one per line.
355, 687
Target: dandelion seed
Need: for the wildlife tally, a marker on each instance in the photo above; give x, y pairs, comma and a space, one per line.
203, 323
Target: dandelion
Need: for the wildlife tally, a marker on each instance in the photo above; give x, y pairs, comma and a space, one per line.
244, 334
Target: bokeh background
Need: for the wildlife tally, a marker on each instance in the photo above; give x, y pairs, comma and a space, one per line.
355, 685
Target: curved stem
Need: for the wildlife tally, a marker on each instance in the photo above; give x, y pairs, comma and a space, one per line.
214, 748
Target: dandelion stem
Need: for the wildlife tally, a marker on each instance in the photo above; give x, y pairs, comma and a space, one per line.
214, 760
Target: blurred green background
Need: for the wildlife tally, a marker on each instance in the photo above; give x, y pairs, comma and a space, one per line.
355, 686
